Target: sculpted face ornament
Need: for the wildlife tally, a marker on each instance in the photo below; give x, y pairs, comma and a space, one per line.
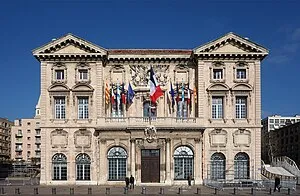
150, 134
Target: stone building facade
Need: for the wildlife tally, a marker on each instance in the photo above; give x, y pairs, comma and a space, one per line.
206, 125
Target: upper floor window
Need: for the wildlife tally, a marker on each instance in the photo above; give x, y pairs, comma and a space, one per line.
217, 74
60, 107
241, 74
83, 107
217, 107
241, 107
83, 74
59, 74
149, 109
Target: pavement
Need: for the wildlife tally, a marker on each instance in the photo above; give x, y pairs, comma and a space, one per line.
138, 190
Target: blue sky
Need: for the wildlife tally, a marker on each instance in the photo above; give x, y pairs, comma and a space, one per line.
26, 25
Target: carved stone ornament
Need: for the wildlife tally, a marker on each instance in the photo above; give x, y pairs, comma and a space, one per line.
242, 137
82, 138
140, 74
59, 138
150, 134
218, 138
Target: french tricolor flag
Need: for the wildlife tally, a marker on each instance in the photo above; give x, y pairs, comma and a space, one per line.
155, 90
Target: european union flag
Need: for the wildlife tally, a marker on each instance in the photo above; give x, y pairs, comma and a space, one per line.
130, 94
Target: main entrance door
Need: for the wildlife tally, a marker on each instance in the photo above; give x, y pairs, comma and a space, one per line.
150, 165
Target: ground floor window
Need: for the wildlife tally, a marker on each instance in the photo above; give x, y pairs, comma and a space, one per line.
83, 167
117, 158
59, 167
241, 166
218, 165
183, 162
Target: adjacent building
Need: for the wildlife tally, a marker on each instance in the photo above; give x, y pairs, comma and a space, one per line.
99, 125
26, 140
271, 123
5, 139
285, 142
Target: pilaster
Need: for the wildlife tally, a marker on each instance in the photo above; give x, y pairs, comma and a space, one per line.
168, 162
133, 158
99, 89
201, 89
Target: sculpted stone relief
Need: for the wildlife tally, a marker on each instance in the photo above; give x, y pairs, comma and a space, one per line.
59, 138
218, 138
242, 137
82, 138
140, 74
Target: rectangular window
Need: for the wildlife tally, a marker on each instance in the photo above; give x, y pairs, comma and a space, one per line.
241, 107
241, 74
59, 75
83, 74
60, 107
217, 107
83, 108
217, 74
182, 109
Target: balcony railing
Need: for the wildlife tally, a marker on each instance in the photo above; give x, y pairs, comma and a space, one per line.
19, 149
144, 121
37, 141
19, 135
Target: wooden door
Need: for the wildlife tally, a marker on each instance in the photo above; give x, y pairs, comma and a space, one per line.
150, 165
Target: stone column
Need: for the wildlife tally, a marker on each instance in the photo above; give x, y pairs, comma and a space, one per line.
103, 171
198, 161
133, 158
168, 162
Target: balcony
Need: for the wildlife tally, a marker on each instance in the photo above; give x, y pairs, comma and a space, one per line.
19, 149
19, 135
19, 142
159, 122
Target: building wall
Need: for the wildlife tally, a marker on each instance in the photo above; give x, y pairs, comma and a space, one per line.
198, 131
26, 140
5, 139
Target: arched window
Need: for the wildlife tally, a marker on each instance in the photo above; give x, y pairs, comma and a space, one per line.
59, 167
117, 158
183, 162
218, 164
83, 167
149, 110
241, 166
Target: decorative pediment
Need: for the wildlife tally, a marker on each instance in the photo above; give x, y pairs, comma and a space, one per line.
82, 88
231, 44
218, 87
242, 87
69, 44
56, 87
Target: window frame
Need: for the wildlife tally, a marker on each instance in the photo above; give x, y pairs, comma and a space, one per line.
117, 163
183, 162
241, 109
59, 107
83, 108
217, 112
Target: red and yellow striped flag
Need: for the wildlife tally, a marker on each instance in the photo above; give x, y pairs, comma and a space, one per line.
107, 96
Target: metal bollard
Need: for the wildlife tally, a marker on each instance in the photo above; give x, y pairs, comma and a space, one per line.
161, 191
198, 191
252, 191
2, 191
125, 190
143, 190
289, 191
53, 191
216, 191
36, 191
71, 191
234, 191
107, 191
270, 191
17, 191
89, 191
179, 191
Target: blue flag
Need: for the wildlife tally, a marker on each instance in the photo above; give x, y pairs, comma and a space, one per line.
172, 92
130, 94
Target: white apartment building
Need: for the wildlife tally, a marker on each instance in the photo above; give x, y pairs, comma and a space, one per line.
99, 125
271, 123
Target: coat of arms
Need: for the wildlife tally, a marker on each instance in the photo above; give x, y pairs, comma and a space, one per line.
150, 133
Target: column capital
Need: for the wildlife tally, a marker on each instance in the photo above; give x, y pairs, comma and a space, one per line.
132, 140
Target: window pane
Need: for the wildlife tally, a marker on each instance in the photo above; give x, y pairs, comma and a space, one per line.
83, 108
241, 107
59, 107
217, 74
217, 107
241, 73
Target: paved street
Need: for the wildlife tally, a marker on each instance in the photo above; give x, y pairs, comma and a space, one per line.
149, 190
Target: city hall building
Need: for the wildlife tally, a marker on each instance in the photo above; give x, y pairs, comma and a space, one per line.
99, 123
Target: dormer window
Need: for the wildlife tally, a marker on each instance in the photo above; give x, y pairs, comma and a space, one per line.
217, 74
241, 74
59, 75
83, 74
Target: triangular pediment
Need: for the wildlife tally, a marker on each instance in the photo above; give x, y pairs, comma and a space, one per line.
231, 44
69, 44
